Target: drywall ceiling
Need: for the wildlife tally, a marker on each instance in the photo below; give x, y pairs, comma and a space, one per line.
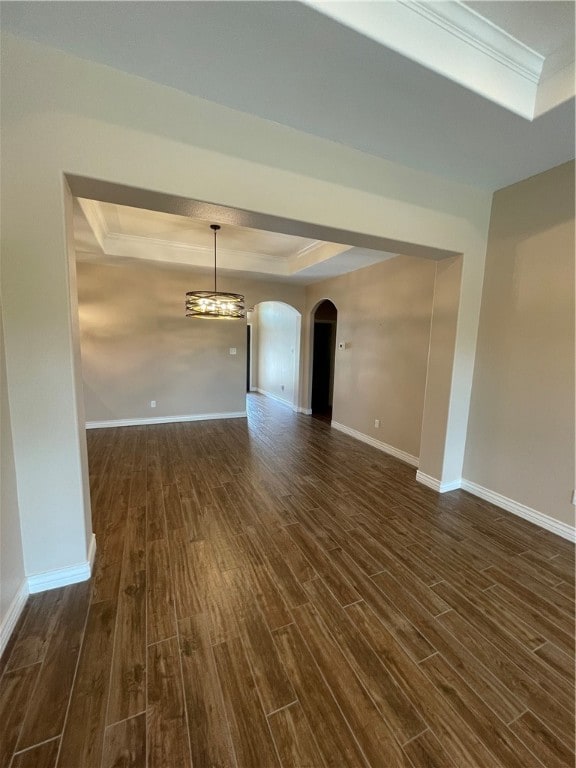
544, 26
107, 231
456, 40
293, 64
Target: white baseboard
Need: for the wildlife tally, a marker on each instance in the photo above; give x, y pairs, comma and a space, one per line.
165, 419
12, 615
538, 518
62, 577
295, 408
396, 452
436, 485
277, 398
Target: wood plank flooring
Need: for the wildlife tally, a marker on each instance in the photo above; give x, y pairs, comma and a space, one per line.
271, 593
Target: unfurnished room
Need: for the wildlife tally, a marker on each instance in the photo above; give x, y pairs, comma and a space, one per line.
288, 468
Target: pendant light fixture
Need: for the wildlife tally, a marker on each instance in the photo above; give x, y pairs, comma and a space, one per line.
215, 303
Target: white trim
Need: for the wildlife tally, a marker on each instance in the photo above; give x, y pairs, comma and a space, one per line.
277, 398
12, 615
306, 411
516, 508
396, 452
454, 41
478, 32
62, 577
436, 485
165, 419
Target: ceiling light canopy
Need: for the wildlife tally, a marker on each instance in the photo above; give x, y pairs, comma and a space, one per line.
216, 304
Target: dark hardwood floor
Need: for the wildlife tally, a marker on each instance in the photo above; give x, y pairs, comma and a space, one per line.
273, 593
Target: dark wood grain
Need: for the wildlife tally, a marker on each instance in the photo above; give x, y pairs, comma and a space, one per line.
161, 616
167, 731
34, 636
391, 701
17, 688
84, 730
47, 710
503, 744
425, 751
42, 756
128, 675
541, 742
273, 593
210, 739
125, 744
251, 736
294, 740
369, 727
463, 747
271, 679
333, 736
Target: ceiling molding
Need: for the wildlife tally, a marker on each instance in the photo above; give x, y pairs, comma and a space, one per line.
453, 40
481, 33
118, 241
129, 246
308, 248
95, 218
316, 260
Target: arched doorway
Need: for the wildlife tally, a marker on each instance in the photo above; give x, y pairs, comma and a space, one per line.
323, 358
274, 354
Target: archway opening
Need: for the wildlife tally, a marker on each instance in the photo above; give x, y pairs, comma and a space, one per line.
323, 359
273, 363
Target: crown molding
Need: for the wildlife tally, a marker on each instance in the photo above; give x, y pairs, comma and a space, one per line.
95, 218
115, 240
453, 40
129, 246
469, 26
310, 248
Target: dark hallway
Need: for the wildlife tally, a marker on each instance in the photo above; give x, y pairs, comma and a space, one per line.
325, 319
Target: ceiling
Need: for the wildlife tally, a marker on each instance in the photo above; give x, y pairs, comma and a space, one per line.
481, 92
542, 25
105, 231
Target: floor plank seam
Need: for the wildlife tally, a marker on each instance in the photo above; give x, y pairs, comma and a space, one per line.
39, 744
82, 638
469, 613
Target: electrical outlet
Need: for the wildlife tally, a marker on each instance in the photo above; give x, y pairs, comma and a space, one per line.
574, 498
152, 403
376, 423
232, 350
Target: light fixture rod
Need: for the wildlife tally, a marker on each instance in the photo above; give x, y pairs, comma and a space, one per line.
215, 304
215, 228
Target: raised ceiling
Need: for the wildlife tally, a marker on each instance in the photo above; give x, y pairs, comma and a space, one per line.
515, 54
105, 231
482, 97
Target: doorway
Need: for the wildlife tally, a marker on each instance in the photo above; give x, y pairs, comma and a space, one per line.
323, 359
248, 355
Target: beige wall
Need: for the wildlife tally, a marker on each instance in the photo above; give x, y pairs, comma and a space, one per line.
138, 346
62, 115
442, 371
278, 350
12, 573
521, 431
384, 314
